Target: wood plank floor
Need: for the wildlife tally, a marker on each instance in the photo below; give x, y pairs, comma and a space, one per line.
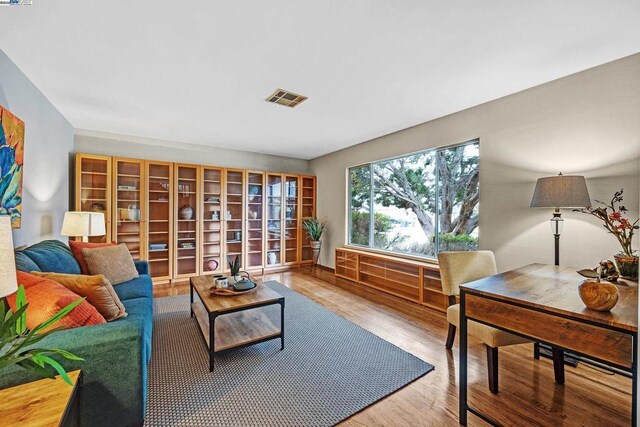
528, 394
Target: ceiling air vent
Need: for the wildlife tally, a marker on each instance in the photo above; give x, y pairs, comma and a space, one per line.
286, 98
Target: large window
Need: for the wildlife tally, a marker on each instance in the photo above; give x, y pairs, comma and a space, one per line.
419, 204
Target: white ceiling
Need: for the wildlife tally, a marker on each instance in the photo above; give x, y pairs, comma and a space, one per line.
198, 71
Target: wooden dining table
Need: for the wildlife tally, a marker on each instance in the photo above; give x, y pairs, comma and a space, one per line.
541, 302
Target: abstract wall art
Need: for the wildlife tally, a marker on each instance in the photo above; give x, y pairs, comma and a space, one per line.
11, 163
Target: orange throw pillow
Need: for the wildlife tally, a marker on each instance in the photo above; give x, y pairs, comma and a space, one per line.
46, 297
76, 250
96, 289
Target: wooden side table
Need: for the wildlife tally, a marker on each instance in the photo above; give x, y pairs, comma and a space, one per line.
41, 403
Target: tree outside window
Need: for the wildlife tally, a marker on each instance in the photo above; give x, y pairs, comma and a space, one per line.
423, 203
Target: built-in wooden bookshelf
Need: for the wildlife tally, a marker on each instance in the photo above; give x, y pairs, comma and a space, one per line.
159, 220
128, 205
274, 219
93, 184
413, 280
234, 215
254, 239
291, 219
211, 230
307, 210
187, 215
252, 214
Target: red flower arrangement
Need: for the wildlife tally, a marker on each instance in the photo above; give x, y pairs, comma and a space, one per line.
613, 217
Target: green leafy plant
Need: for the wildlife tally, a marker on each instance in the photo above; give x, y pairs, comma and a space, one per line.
17, 342
234, 265
314, 227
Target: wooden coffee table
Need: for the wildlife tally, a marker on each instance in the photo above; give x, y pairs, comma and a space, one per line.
236, 321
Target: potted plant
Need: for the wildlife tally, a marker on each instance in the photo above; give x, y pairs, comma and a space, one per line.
314, 228
17, 343
613, 217
234, 270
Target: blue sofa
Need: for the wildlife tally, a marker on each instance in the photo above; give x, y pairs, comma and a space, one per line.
114, 388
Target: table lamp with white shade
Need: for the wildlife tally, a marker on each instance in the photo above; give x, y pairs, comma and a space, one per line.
83, 224
8, 280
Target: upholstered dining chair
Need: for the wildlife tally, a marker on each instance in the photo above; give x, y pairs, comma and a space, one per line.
457, 268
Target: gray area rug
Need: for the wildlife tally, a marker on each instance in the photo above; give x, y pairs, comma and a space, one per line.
329, 370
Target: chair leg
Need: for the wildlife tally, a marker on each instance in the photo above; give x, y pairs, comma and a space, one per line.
492, 365
451, 336
536, 350
558, 364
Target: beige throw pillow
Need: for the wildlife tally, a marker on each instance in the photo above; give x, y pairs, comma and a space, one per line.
96, 289
114, 262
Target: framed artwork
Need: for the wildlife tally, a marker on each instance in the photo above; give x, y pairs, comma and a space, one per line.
11, 162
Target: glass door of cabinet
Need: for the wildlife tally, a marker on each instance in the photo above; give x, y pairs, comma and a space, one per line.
128, 202
307, 210
234, 214
93, 189
274, 220
186, 220
291, 219
255, 208
212, 216
159, 219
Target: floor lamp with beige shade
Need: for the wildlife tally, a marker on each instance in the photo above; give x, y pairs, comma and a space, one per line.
8, 280
556, 192
83, 224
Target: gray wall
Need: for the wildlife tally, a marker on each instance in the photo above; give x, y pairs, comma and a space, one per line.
587, 123
48, 142
150, 149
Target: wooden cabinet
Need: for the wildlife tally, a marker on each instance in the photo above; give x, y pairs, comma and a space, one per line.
432, 295
211, 229
307, 210
291, 219
346, 263
274, 220
254, 225
93, 183
187, 215
234, 215
186, 219
128, 205
159, 220
413, 280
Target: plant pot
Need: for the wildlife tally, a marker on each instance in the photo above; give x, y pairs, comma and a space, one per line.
316, 245
599, 296
627, 266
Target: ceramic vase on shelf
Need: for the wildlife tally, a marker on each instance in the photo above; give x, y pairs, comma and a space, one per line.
271, 258
212, 265
627, 266
186, 212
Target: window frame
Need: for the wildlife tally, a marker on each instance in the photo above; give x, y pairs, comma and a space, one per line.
370, 165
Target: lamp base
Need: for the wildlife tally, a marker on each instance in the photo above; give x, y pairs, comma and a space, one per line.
569, 359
